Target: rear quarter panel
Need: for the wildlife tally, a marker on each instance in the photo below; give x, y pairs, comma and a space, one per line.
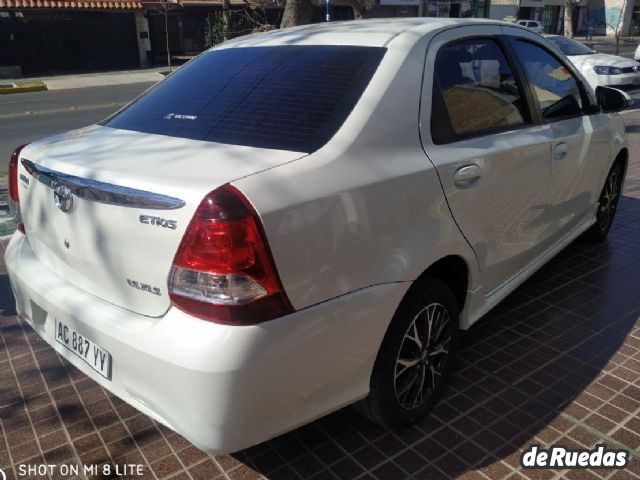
367, 208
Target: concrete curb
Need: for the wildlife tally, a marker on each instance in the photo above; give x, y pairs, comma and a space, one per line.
65, 82
21, 87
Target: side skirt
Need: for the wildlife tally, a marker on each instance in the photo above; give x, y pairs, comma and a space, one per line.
480, 303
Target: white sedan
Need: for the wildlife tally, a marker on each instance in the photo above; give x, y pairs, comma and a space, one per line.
304, 219
534, 25
599, 68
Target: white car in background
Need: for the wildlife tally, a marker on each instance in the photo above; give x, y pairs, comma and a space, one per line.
534, 25
303, 219
600, 69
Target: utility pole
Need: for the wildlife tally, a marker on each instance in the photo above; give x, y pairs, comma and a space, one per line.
166, 35
328, 17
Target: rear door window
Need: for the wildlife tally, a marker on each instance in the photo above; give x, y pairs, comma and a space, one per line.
289, 97
474, 92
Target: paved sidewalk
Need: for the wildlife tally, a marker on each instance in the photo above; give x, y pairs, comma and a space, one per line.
607, 44
557, 363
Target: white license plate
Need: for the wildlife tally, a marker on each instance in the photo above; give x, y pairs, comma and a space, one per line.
93, 355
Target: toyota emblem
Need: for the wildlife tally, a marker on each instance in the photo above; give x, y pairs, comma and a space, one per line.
63, 197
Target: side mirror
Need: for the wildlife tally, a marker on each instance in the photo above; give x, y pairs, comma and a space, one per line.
612, 100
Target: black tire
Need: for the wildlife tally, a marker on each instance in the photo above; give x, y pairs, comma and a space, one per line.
607, 205
388, 403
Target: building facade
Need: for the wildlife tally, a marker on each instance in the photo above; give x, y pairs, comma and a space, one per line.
39, 36
602, 17
57, 36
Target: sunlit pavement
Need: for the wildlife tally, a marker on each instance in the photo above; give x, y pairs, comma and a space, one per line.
557, 363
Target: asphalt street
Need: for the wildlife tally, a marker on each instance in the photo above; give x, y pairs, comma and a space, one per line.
26, 117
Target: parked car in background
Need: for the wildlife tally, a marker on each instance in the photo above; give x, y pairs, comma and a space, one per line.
598, 68
303, 219
534, 25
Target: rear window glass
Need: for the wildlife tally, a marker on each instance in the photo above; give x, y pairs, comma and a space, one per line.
285, 97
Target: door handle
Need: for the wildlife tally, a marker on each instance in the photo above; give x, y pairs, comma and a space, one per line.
560, 151
467, 175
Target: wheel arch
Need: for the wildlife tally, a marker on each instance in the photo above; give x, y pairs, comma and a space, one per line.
623, 159
452, 270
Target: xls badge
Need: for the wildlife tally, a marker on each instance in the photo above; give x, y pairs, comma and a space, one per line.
143, 287
63, 197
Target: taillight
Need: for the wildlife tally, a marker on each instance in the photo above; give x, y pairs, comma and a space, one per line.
14, 195
224, 271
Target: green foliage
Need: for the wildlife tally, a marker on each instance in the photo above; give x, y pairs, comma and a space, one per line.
214, 29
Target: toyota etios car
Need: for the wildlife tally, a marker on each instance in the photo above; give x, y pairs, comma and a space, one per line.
304, 219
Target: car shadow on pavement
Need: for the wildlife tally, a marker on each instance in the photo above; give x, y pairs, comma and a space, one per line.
557, 362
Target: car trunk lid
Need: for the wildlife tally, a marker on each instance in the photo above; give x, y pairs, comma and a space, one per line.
130, 198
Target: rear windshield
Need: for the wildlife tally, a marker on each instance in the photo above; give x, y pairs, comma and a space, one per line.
285, 97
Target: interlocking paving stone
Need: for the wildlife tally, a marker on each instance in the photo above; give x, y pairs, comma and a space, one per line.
557, 362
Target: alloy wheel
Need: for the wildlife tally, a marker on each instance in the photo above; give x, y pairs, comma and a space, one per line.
423, 355
609, 201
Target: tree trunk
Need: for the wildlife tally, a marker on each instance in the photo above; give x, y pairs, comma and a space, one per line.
296, 12
357, 14
225, 20
568, 19
166, 33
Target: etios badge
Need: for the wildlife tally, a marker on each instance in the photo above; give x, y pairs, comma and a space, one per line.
63, 197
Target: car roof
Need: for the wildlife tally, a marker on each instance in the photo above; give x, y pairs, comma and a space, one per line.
372, 32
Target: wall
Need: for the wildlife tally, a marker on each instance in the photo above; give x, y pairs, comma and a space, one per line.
504, 10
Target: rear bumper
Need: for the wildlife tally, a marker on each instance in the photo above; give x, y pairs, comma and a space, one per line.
224, 388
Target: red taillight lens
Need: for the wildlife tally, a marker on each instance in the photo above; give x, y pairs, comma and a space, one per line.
14, 194
223, 270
